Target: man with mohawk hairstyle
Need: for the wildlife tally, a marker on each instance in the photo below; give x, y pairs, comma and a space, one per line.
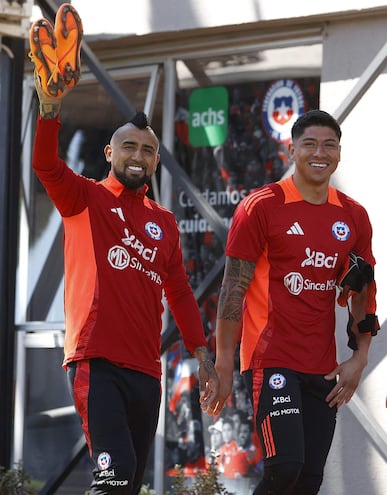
122, 253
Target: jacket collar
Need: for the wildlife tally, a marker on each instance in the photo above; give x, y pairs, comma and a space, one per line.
117, 188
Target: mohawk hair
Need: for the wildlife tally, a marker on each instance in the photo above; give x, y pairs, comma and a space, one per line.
140, 120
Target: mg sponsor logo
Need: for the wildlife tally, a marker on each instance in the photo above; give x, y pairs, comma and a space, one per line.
319, 259
320, 286
118, 257
294, 282
285, 412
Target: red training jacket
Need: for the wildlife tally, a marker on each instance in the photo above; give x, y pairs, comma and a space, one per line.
122, 250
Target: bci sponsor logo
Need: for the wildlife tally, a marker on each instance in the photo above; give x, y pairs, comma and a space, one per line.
131, 240
281, 400
319, 259
106, 473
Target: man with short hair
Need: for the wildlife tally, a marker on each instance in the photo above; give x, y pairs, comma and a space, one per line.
290, 242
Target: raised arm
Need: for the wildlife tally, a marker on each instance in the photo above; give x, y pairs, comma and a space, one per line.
55, 52
49, 106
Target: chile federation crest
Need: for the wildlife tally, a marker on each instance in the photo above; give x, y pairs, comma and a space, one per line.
282, 105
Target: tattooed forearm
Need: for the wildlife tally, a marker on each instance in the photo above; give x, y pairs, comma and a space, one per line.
237, 277
240, 270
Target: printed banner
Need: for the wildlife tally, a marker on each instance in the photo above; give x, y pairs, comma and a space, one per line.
230, 140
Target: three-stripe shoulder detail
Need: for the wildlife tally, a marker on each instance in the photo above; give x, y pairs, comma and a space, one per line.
255, 197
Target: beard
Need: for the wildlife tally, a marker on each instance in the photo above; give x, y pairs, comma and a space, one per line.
132, 183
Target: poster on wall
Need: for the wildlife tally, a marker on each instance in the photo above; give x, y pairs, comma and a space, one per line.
230, 140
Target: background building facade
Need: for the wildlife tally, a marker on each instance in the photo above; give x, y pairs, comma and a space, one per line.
167, 57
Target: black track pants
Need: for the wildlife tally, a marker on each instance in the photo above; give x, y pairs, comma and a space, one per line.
119, 411
295, 426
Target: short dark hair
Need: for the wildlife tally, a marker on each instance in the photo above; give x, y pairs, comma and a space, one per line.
315, 117
249, 423
140, 120
229, 421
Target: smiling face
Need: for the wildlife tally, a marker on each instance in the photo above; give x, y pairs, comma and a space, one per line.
316, 154
227, 432
133, 155
244, 437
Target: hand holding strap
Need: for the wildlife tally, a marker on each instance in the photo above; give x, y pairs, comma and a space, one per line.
357, 273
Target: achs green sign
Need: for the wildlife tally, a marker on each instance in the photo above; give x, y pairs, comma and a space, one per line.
208, 116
